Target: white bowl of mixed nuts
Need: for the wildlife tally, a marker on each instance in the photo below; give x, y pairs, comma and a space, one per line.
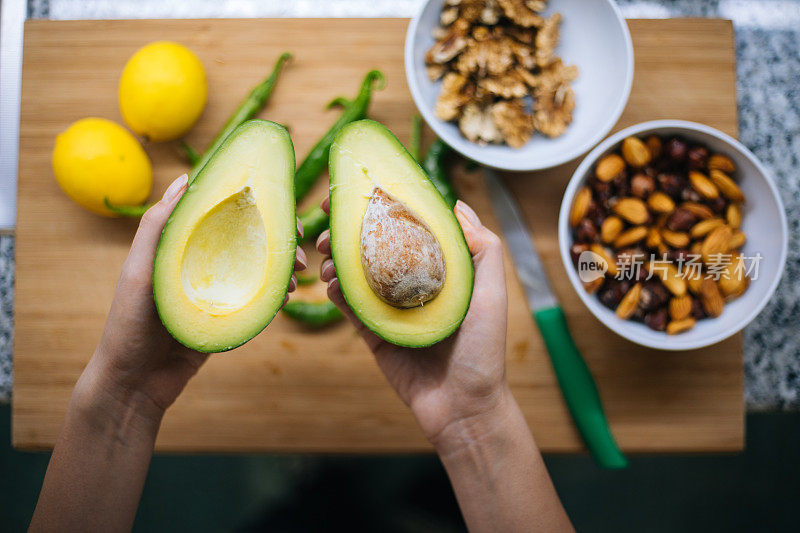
520, 85
673, 234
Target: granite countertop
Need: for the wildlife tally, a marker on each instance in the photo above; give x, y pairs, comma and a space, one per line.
768, 86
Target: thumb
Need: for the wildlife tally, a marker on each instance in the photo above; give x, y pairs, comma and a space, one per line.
143, 249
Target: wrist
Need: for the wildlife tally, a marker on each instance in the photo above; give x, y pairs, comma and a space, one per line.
107, 406
479, 427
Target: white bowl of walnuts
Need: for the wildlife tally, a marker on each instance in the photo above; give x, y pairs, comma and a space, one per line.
520, 85
673, 234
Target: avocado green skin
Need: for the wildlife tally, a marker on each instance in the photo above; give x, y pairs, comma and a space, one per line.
392, 137
199, 176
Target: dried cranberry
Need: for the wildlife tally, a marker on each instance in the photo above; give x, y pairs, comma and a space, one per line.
657, 319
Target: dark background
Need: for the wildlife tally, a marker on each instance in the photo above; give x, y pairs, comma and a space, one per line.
758, 490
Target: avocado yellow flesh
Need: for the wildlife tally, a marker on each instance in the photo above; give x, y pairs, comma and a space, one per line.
226, 255
366, 156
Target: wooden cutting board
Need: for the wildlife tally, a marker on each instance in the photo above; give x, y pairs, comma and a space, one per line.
294, 390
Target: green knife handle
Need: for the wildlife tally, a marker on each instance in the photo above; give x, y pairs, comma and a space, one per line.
578, 388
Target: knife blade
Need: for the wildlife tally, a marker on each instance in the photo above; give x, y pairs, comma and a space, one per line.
576, 382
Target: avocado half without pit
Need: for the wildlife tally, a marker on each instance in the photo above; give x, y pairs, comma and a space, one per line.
226, 254
400, 255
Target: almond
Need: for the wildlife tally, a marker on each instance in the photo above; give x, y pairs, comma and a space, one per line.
726, 186
680, 307
611, 228
580, 206
635, 152
609, 167
633, 210
703, 185
670, 277
654, 145
737, 240
676, 239
630, 237
658, 202
733, 280
607, 256
734, 216
679, 326
695, 249
699, 210
594, 285
704, 227
653, 238
717, 242
721, 162
710, 298
694, 280
627, 306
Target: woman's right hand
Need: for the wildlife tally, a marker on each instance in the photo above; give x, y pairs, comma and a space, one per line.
461, 380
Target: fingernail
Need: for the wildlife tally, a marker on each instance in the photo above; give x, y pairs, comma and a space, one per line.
175, 188
468, 213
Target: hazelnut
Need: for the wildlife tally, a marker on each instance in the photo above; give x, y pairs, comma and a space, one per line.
681, 220
657, 319
642, 185
613, 291
622, 185
653, 296
576, 250
670, 184
690, 195
697, 158
697, 310
676, 150
586, 231
717, 204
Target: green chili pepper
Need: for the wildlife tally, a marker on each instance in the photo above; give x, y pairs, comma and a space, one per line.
249, 107
307, 279
316, 314
317, 159
192, 155
415, 139
434, 166
314, 221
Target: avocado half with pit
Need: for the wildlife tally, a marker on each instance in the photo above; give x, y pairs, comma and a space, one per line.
226, 254
400, 255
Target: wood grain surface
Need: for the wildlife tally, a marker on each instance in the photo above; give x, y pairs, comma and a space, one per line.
294, 390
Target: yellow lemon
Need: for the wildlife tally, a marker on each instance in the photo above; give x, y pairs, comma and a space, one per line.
162, 91
95, 158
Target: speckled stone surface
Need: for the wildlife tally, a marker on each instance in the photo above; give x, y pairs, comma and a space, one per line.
768, 85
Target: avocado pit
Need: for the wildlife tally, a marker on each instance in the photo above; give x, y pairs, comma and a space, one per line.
402, 260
